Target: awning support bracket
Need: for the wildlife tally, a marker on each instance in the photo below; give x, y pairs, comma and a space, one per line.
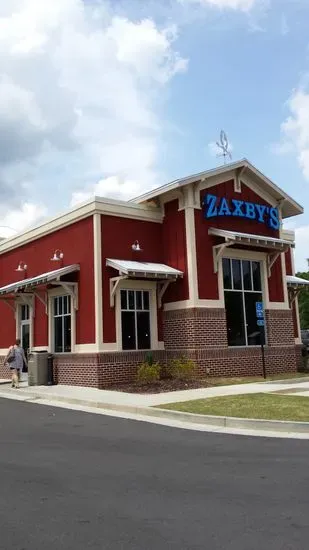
13, 307
293, 294
71, 289
218, 251
162, 288
271, 260
42, 299
272, 257
113, 285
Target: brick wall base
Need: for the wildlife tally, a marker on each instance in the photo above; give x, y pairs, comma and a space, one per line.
196, 328
103, 370
100, 370
198, 334
300, 360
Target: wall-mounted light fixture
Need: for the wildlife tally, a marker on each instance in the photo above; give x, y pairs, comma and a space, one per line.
136, 247
58, 256
21, 267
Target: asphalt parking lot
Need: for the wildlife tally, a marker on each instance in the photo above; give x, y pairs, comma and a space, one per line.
75, 480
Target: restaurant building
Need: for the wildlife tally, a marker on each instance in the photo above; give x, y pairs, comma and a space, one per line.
199, 268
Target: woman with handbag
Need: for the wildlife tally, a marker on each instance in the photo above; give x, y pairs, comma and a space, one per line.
16, 359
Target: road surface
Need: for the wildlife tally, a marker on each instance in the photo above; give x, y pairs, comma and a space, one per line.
73, 481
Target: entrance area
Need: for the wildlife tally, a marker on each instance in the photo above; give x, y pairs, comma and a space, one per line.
25, 329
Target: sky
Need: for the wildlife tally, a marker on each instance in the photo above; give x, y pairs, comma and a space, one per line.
116, 97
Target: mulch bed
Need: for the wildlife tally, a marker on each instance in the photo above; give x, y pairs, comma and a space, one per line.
161, 386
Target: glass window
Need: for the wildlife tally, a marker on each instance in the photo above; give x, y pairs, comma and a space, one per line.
62, 324
124, 304
246, 274
240, 302
236, 272
253, 331
25, 313
143, 329
227, 274
146, 300
256, 275
135, 319
139, 299
131, 299
235, 319
128, 330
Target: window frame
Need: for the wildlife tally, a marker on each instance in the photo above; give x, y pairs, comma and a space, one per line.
53, 293
19, 321
243, 257
57, 300
135, 285
135, 311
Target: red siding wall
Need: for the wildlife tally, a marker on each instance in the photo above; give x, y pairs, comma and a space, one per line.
275, 283
175, 250
207, 279
118, 235
76, 242
288, 262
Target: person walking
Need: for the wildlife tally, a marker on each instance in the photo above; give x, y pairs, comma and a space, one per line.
16, 359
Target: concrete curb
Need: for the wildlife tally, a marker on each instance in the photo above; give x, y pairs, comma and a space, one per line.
298, 380
189, 418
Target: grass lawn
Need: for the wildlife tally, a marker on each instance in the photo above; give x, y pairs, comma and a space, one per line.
248, 379
257, 405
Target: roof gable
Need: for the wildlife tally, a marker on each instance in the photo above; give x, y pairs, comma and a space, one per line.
243, 170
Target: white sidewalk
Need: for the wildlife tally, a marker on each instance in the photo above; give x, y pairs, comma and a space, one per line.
140, 407
75, 394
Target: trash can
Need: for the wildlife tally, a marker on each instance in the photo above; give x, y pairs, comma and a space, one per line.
38, 368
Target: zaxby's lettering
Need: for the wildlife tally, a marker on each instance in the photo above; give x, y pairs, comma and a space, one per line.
216, 206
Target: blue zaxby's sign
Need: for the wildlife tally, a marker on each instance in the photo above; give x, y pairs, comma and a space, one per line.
220, 206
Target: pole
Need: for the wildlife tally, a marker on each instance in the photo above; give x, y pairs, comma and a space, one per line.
263, 361
263, 352
259, 311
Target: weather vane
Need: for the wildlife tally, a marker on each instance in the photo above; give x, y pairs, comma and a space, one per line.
224, 146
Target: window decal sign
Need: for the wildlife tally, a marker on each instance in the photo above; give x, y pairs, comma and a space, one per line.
220, 206
259, 309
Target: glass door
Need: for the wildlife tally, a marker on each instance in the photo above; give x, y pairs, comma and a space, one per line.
25, 329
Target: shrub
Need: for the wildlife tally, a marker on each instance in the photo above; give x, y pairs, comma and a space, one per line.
182, 369
148, 373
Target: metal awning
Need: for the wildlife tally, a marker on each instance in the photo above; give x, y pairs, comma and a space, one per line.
272, 245
144, 269
164, 274
27, 289
251, 239
44, 278
295, 285
293, 281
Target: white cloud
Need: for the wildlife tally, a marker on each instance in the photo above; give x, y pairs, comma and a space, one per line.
16, 220
301, 248
295, 129
243, 5
114, 186
80, 95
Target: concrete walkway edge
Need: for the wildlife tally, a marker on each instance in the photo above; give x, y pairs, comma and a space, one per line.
188, 418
